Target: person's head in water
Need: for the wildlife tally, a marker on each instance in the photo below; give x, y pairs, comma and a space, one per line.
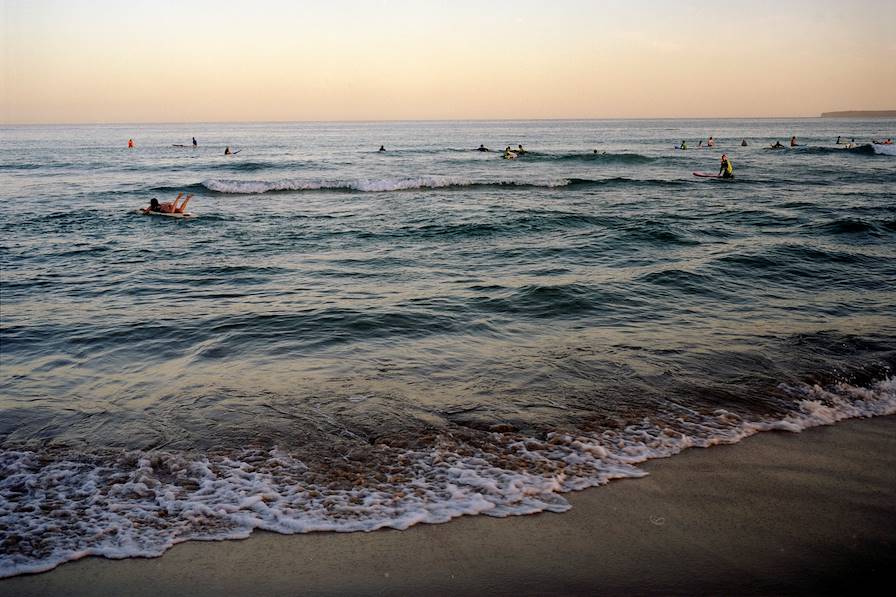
521, 147
153, 204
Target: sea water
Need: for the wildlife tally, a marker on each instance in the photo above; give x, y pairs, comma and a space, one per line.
345, 339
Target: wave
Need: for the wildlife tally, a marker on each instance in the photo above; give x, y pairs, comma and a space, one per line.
55, 508
600, 157
379, 185
864, 149
850, 226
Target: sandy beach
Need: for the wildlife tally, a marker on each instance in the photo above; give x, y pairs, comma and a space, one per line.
778, 513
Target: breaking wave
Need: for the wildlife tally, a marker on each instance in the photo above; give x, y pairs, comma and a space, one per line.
57, 508
379, 185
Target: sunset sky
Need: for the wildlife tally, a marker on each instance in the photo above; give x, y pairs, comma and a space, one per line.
264, 60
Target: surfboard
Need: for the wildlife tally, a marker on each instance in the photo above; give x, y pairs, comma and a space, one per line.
162, 213
706, 175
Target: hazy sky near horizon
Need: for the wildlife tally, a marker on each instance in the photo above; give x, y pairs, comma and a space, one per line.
200, 60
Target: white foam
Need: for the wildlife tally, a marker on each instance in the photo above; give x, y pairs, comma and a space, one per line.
366, 185
140, 504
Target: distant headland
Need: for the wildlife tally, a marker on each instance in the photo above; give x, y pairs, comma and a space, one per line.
860, 114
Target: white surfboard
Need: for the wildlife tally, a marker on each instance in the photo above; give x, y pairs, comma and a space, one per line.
162, 213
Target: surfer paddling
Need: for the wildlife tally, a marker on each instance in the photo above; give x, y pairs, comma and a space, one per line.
167, 207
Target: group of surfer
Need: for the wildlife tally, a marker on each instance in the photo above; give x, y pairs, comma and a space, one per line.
710, 143
512, 154
778, 145
227, 150
509, 152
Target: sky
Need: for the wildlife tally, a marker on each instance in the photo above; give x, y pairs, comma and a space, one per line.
77, 61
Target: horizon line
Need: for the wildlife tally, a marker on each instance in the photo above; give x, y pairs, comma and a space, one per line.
385, 120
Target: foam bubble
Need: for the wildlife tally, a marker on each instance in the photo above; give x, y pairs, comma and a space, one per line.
55, 509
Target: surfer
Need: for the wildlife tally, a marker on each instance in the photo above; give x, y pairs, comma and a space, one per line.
194, 142
227, 151
382, 148
711, 142
838, 140
167, 207
483, 148
743, 143
726, 170
683, 145
793, 142
130, 143
777, 145
509, 154
521, 151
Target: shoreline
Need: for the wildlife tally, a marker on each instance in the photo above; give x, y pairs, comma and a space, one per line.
778, 512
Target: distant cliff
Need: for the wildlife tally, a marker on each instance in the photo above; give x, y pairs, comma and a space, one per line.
860, 114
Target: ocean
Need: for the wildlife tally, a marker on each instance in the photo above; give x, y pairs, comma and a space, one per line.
342, 339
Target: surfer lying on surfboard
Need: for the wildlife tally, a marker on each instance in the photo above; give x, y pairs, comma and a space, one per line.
167, 208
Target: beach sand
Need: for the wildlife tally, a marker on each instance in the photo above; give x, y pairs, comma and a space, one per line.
779, 513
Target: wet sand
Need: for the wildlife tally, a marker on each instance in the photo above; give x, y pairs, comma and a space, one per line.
778, 513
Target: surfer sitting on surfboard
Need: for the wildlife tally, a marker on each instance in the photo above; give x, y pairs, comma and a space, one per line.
726, 170
167, 208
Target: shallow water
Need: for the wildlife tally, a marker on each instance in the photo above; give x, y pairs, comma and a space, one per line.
345, 339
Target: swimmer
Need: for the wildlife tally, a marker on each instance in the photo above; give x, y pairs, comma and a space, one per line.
167, 208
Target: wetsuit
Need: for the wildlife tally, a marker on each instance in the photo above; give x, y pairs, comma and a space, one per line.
726, 169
